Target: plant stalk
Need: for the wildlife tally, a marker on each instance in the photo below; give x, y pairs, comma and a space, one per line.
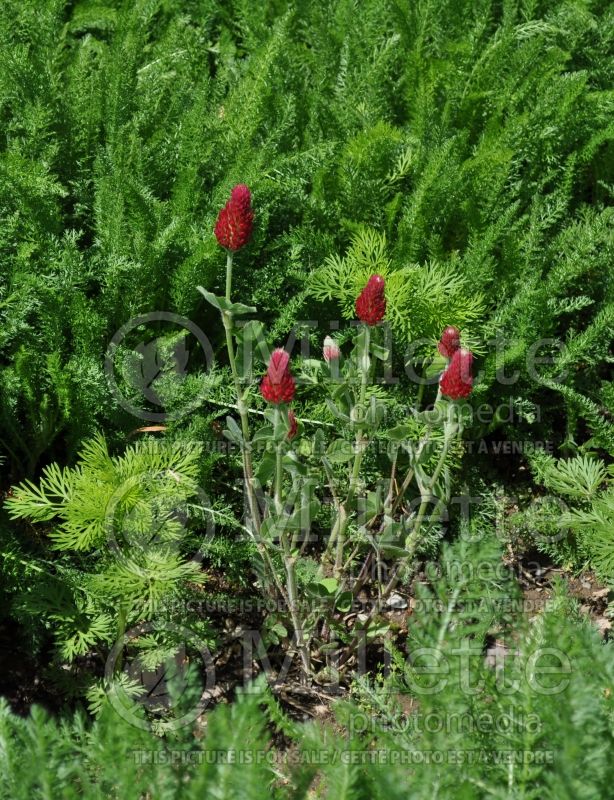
341, 523
241, 407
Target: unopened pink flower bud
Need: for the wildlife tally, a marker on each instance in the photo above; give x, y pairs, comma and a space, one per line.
292, 425
330, 349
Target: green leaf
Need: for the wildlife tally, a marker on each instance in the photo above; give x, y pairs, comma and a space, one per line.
224, 305
263, 434
280, 428
291, 464
400, 433
336, 411
251, 343
330, 584
325, 588
266, 468
310, 369
375, 631
380, 352
391, 539
252, 331
237, 309
233, 432
344, 601
436, 366
374, 503
279, 630
434, 416
301, 518
375, 413
339, 451
392, 551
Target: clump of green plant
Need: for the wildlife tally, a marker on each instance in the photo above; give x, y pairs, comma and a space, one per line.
119, 526
286, 468
421, 298
488, 697
574, 521
476, 137
527, 716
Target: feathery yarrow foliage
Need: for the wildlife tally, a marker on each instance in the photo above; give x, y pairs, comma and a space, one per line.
508, 713
130, 514
463, 152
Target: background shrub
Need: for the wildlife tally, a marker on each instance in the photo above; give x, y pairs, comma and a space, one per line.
476, 136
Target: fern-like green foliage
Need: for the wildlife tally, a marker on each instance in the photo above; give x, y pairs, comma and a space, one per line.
492, 728
463, 149
512, 708
475, 136
575, 478
421, 298
122, 524
574, 523
595, 529
114, 759
103, 494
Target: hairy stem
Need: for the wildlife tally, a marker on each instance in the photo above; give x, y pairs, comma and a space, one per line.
341, 523
248, 470
429, 487
293, 605
411, 542
241, 407
410, 473
278, 467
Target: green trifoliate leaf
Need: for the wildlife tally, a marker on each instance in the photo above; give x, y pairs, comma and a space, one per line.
339, 451
233, 433
224, 305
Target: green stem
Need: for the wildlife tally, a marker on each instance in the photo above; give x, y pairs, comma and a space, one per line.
122, 618
360, 445
411, 541
241, 407
429, 488
288, 559
293, 605
390, 492
410, 473
248, 470
256, 412
278, 468
229, 256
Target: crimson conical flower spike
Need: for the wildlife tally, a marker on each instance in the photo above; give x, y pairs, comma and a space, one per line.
449, 342
278, 385
233, 228
456, 381
371, 302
